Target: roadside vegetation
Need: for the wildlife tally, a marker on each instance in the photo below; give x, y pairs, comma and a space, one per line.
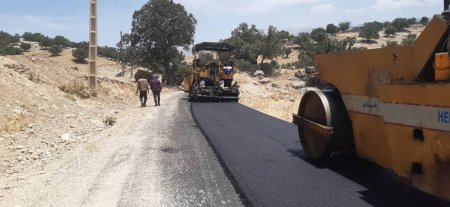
161, 28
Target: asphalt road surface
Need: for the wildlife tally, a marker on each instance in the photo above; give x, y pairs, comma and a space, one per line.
264, 160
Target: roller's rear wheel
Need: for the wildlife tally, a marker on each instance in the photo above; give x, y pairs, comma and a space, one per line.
314, 106
325, 108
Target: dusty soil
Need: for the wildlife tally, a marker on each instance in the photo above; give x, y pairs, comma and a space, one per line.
38, 121
277, 98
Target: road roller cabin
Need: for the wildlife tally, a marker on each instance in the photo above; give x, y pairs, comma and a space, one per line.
390, 106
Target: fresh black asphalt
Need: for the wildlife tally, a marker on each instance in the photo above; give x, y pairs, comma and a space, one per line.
263, 157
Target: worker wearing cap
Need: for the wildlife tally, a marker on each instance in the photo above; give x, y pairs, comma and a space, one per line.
155, 85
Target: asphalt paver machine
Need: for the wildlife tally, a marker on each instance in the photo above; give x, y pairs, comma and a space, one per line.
212, 80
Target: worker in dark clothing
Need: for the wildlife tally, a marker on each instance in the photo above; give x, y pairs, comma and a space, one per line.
142, 87
155, 85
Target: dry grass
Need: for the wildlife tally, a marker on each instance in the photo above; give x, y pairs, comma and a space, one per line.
15, 123
110, 120
33, 76
77, 88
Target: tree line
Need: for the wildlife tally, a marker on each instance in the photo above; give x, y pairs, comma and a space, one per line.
161, 28
11, 45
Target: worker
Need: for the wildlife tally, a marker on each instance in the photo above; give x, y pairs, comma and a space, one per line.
155, 85
142, 87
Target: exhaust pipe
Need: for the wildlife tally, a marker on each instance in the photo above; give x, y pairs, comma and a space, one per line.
446, 12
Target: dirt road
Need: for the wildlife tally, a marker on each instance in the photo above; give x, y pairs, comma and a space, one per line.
154, 156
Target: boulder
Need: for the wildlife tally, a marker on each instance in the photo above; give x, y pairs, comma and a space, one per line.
292, 78
258, 73
264, 80
276, 85
298, 84
292, 99
300, 73
66, 137
277, 72
310, 69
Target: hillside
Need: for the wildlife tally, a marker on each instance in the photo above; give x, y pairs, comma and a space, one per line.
279, 98
38, 121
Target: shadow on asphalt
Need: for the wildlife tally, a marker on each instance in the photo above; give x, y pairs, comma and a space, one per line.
383, 187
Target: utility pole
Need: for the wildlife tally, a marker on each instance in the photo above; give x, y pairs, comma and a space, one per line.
121, 54
93, 45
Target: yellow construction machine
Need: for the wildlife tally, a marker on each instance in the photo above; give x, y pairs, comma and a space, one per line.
212, 80
390, 106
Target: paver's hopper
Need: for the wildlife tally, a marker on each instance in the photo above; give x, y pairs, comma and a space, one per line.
390, 106
212, 80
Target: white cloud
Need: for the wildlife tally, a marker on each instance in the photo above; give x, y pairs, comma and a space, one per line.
242, 7
383, 5
356, 10
322, 8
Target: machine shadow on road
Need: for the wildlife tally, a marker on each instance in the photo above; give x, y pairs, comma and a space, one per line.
383, 188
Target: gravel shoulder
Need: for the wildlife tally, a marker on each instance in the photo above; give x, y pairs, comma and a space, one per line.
154, 156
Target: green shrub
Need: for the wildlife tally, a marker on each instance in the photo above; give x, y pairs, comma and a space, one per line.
25, 46
247, 66
409, 40
274, 64
267, 69
390, 43
10, 51
79, 55
55, 50
110, 120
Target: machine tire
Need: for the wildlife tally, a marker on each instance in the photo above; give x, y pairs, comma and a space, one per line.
326, 108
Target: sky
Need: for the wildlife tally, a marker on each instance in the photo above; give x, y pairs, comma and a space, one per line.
215, 18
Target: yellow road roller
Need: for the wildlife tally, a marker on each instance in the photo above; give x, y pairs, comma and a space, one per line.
390, 106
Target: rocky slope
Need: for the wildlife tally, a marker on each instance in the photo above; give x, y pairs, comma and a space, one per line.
38, 121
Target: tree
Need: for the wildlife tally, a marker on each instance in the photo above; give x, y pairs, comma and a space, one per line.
389, 31
319, 34
61, 41
400, 24
45, 42
287, 51
248, 41
81, 52
284, 35
304, 40
344, 26
390, 43
25, 46
412, 21
332, 29
424, 20
271, 44
108, 52
409, 40
158, 28
7, 39
369, 31
205, 58
55, 50
10, 51
33, 37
